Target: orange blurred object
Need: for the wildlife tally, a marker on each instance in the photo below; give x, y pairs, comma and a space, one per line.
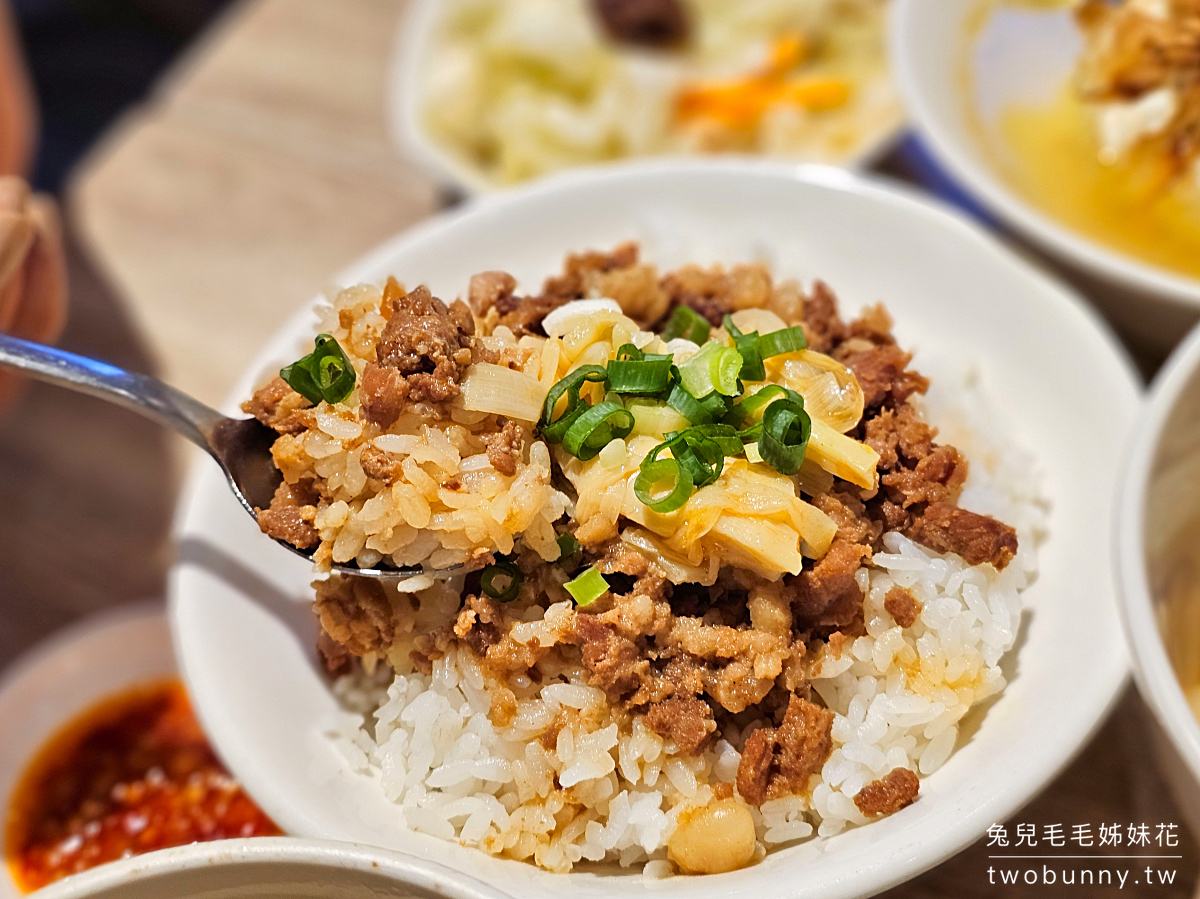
131, 775
741, 102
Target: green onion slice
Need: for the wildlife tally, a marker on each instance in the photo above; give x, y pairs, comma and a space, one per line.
594, 427
748, 348
700, 456
501, 580
687, 323
786, 428
785, 340
715, 368
587, 588
554, 429
642, 377
324, 374
725, 436
656, 473
567, 546
742, 412
698, 412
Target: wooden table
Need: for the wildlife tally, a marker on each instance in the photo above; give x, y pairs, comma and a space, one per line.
258, 169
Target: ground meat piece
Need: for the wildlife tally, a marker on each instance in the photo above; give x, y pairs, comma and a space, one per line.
479, 623
619, 557
379, 465
650, 23
582, 268
383, 394
781, 761
804, 742
977, 538
356, 613
827, 595
899, 436
290, 518
874, 325
715, 292
850, 515
334, 658
488, 289
754, 770
504, 448
687, 721
902, 606
421, 356
938, 477
883, 373
524, 315
823, 326
618, 276
892, 792
276, 405
615, 661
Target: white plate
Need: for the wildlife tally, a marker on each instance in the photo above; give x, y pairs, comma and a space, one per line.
239, 604
65, 676
954, 77
415, 41
270, 868
1160, 499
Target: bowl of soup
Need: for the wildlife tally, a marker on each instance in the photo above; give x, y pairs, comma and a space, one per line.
1158, 557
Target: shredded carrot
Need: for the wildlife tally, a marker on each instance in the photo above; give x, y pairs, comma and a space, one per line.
740, 103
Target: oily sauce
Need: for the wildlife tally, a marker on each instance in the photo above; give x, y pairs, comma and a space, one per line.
1135, 205
131, 775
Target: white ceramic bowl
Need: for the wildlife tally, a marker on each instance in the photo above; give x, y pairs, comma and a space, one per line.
1160, 500
240, 606
65, 676
270, 868
415, 43
950, 72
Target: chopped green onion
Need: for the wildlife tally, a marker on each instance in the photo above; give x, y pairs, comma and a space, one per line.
700, 456
725, 436
643, 377
687, 323
655, 473
587, 588
501, 569
715, 368
592, 429
567, 546
324, 374
689, 406
748, 348
554, 429
743, 411
786, 428
630, 352
785, 340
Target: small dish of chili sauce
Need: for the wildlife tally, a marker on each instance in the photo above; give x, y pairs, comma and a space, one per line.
132, 774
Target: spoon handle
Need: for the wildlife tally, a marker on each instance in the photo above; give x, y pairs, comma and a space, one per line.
141, 393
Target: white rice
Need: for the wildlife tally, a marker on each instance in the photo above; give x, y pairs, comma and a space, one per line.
898, 694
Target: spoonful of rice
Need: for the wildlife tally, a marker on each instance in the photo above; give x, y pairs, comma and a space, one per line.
241, 446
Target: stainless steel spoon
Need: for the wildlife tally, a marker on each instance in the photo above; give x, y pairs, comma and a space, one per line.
241, 446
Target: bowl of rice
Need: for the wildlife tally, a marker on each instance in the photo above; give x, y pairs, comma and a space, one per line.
741, 558
488, 93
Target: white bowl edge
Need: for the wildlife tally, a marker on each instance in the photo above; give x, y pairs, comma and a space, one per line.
930, 122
